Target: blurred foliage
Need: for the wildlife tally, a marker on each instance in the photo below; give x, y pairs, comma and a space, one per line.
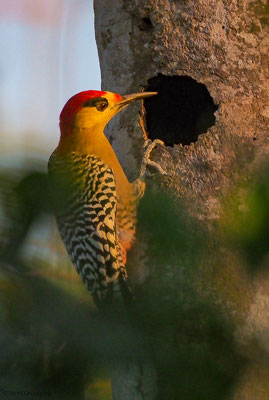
23, 199
53, 340
261, 10
190, 338
244, 223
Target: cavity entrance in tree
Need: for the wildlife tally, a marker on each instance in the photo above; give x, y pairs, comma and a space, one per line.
182, 110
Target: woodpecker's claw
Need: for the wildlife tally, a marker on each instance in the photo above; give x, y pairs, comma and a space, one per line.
149, 145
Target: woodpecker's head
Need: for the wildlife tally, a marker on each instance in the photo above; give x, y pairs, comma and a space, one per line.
93, 109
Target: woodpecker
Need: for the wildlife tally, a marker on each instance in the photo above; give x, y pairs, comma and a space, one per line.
96, 207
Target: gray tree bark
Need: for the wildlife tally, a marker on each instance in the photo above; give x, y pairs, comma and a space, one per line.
225, 46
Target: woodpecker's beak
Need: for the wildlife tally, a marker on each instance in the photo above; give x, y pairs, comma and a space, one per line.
129, 98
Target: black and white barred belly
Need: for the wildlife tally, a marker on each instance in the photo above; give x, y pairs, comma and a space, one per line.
86, 216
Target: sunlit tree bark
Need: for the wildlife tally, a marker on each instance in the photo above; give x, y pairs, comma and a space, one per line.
224, 46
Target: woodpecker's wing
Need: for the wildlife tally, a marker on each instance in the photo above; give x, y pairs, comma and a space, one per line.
87, 221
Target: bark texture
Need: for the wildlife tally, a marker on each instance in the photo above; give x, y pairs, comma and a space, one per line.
224, 45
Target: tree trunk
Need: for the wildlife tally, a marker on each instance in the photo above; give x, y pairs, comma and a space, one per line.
209, 61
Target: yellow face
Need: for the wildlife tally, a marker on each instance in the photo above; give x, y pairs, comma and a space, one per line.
93, 109
85, 115
98, 111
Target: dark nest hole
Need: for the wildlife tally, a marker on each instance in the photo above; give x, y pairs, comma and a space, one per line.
182, 110
145, 24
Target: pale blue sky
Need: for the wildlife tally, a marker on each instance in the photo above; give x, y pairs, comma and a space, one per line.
42, 64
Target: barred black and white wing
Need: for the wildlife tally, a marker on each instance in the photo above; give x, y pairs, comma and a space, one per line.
86, 217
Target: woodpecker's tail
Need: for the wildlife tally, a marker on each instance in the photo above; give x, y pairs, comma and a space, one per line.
117, 294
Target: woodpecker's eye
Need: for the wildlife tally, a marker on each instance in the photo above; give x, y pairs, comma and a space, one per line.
102, 105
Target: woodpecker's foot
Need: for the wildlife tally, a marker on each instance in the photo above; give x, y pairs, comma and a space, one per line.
149, 146
139, 187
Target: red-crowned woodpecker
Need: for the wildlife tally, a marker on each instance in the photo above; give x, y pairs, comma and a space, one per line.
96, 213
